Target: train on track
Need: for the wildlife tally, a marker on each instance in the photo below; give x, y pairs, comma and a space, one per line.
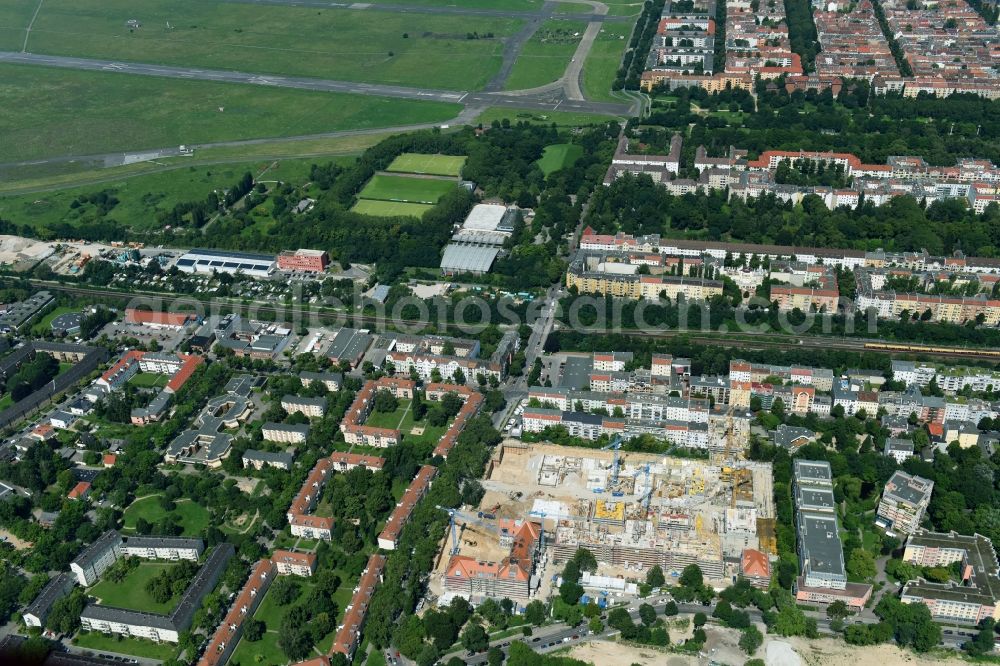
925, 349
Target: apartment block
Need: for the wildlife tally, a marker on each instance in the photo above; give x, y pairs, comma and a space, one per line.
312, 407
249, 598
283, 433
903, 503
388, 539
294, 563
96, 558
821, 555
977, 596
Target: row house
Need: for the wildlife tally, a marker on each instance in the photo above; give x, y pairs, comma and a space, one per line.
388, 539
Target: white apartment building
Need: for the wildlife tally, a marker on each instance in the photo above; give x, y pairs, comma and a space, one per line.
165, 548
96, 558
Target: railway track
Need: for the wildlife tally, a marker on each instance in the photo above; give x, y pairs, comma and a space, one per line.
739, 340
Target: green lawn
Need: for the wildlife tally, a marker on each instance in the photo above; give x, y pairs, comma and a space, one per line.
50, 112
134, 646
14, 18
559, 156
402, 419
6, 401
284, 539
573, 8
43, 325
264, 651
131, 592
403, 188
149, 380
375, 658
142, 197
434, 165
602, 63
58, 175
193, 517
623, 8
390, 208
419, 50
546, 55
271, 613
389, 419
560, 118
512, 5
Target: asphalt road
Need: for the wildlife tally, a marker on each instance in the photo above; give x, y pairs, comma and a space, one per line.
554, 637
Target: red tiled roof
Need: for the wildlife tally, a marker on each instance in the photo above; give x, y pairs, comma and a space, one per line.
260, 579
357, 459
134, 316
413, 493
354, 618
79, 490
189, 365
294, 558
755, 564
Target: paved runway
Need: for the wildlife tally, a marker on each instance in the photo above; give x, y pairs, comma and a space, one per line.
320, 85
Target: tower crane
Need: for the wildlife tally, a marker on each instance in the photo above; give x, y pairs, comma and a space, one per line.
648, 494
454, 516
556, 516
616, 443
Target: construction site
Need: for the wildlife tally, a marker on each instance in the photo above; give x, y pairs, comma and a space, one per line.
631, 510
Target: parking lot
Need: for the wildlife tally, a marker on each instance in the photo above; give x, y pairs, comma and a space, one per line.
168, 339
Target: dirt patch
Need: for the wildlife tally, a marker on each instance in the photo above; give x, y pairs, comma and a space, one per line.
17, 542
776, 651
830, 652
247, 484
607, 653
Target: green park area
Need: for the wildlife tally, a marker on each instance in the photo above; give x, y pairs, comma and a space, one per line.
192, 517
149, 380
559, 156
131, 592
264, 651
402, 419
138, 647
509, 5
559, 118
390, 208
417, 50
402, 188
601, 66
44, 324
546, 55
433, 165
56, 112
272, 613
140, 199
